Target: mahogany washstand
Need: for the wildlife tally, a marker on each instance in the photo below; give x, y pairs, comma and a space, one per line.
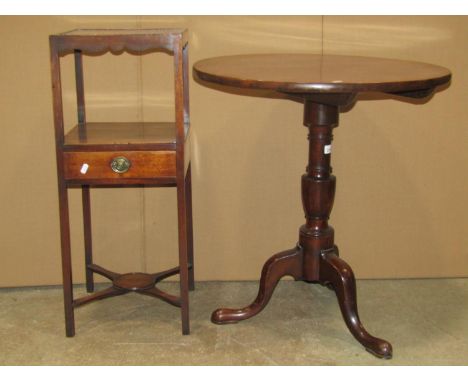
324, 83
123, 154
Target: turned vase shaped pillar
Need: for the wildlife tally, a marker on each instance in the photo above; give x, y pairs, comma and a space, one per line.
318, 186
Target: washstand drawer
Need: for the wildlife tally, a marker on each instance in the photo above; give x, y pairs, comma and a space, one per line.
119, 165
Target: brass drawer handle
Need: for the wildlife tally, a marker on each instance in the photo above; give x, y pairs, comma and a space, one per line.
120, 165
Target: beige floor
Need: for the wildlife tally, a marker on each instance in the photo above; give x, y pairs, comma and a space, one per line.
425, 320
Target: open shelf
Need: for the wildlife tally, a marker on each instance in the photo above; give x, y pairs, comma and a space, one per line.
121, 136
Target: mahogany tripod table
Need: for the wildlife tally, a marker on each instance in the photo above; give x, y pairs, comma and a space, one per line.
324, 84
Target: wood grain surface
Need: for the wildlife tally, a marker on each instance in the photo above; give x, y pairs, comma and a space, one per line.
309, 73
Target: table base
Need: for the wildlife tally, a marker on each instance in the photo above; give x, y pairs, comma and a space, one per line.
335, 273
315, 258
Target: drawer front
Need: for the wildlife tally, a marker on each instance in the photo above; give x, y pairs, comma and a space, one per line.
119, 165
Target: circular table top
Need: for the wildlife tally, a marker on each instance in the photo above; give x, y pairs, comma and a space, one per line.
313, 73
